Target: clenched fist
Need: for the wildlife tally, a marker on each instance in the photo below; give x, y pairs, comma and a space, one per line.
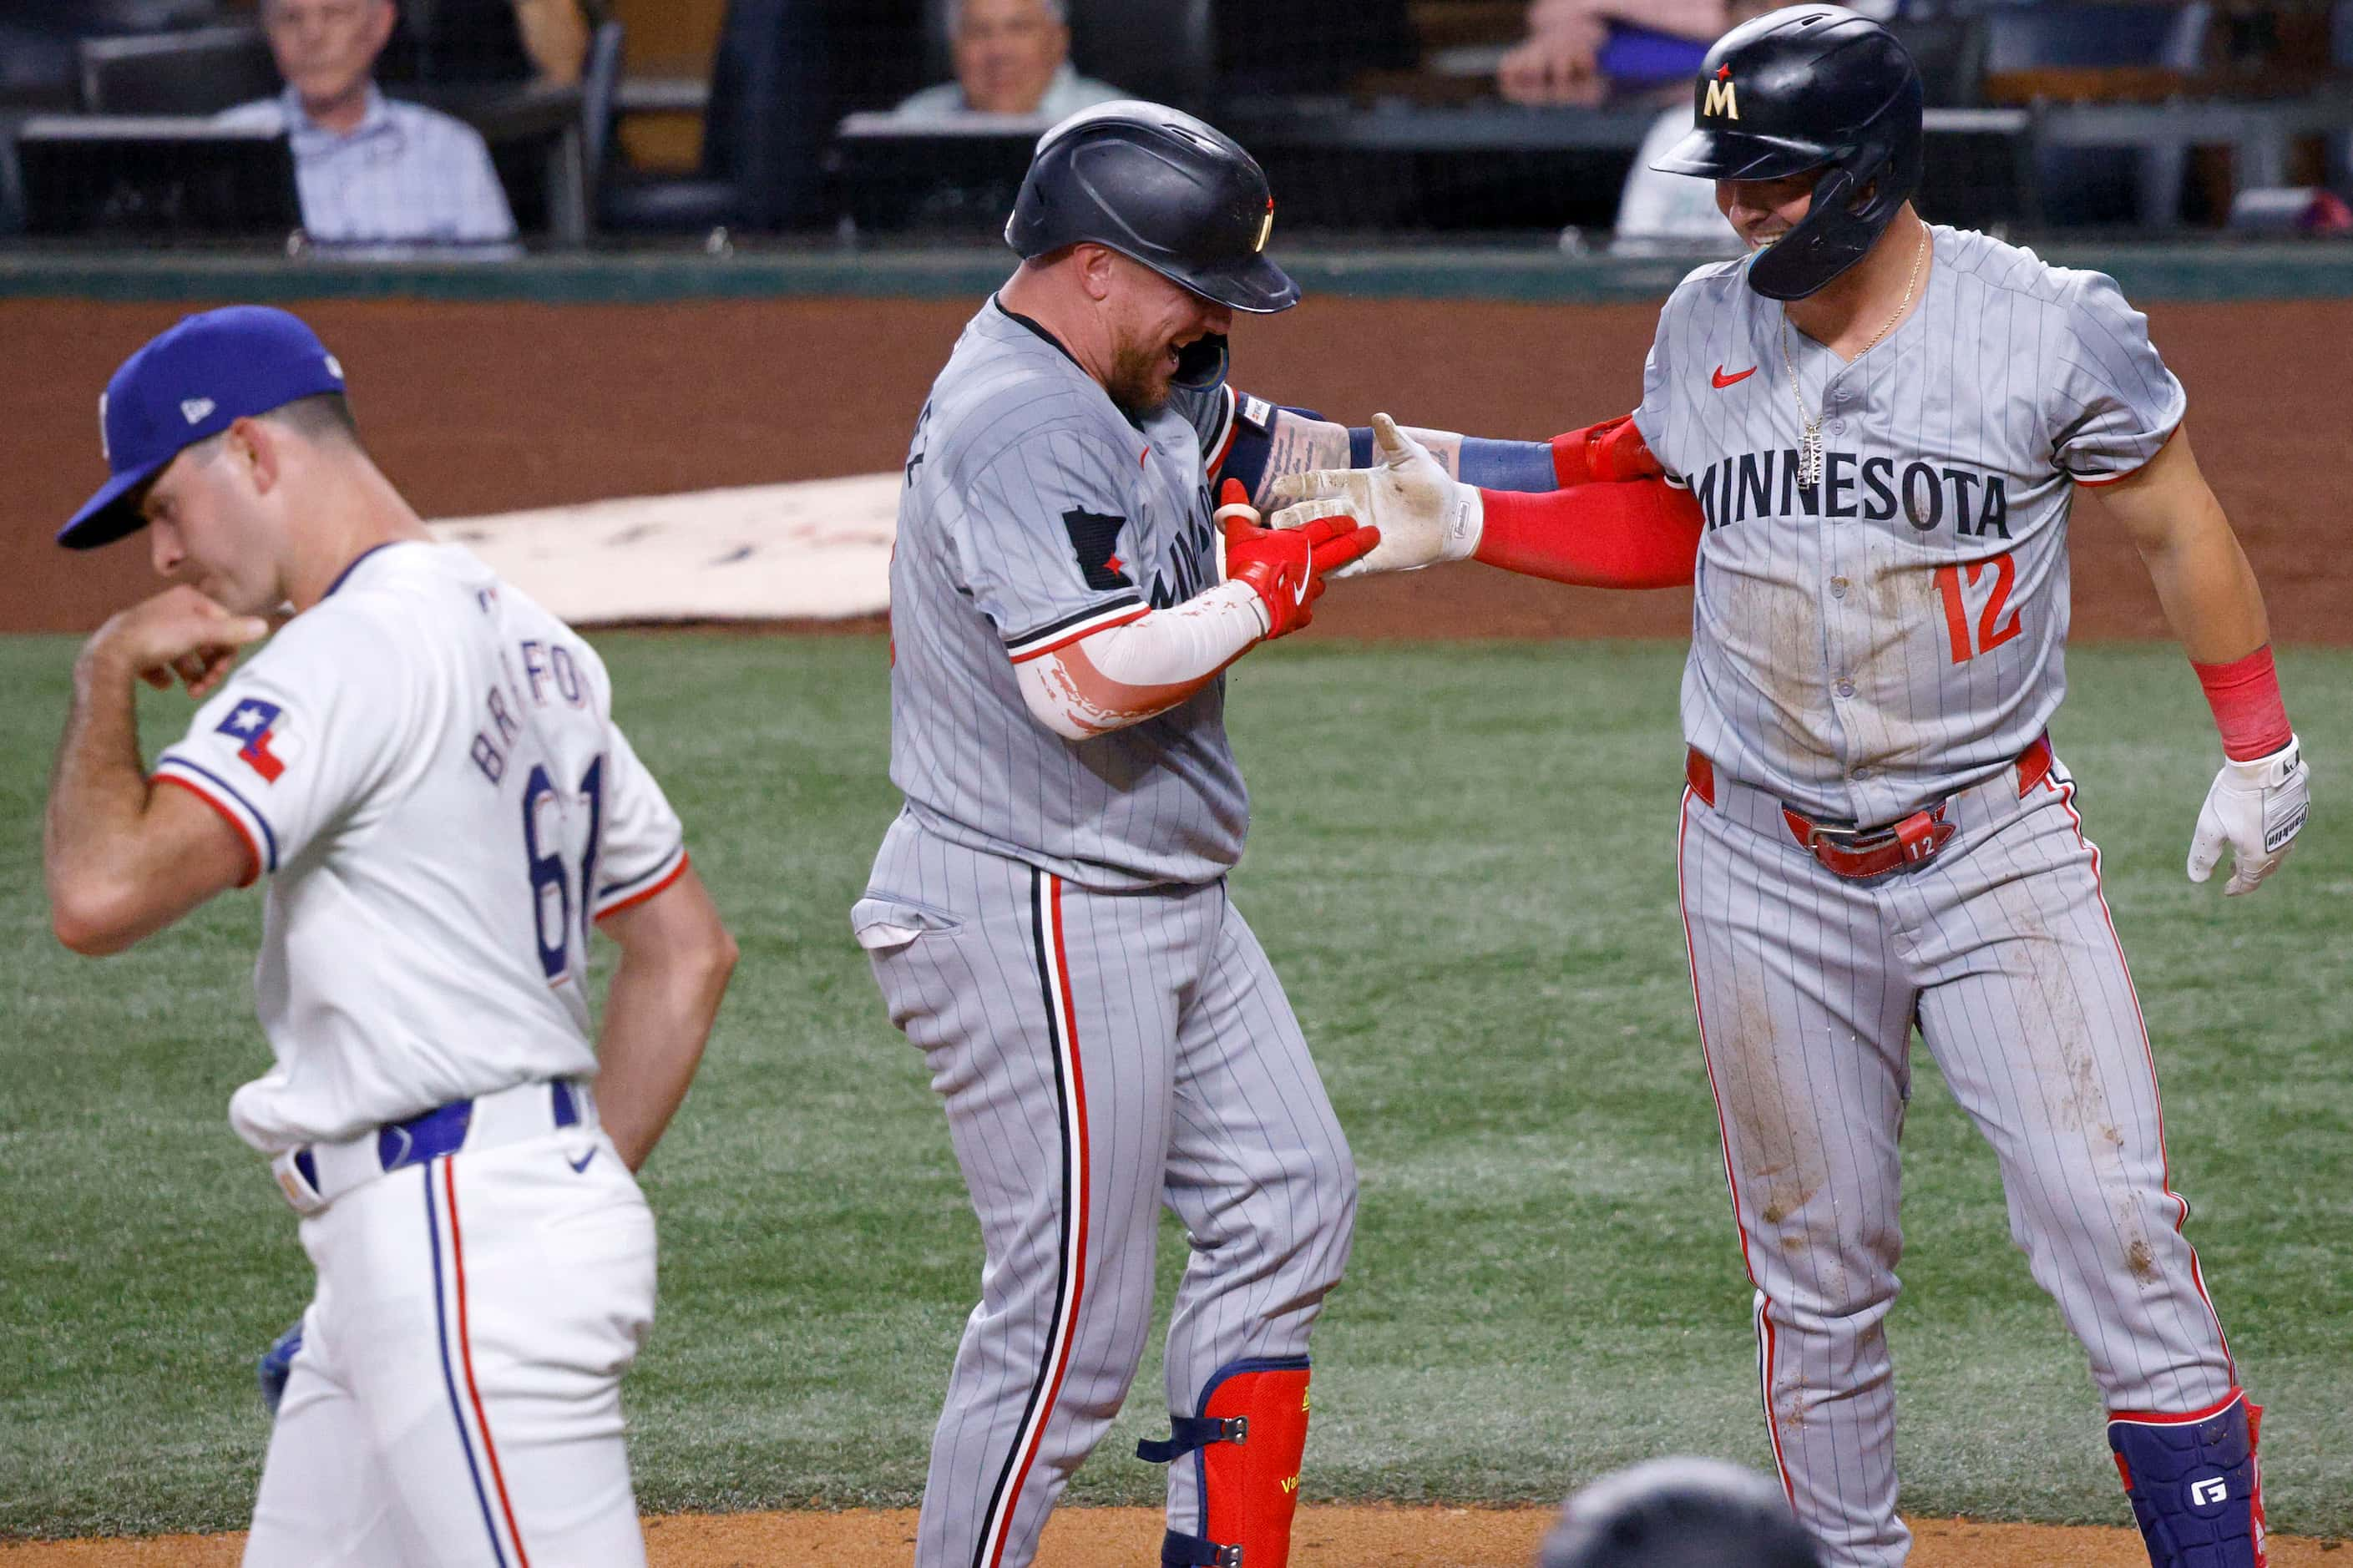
178, 632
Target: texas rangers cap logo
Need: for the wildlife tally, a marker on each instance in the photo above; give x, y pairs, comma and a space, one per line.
1720, 98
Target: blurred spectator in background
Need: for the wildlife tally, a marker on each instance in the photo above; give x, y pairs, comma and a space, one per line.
370, 170
1674, 214
1559, 62
1012, 57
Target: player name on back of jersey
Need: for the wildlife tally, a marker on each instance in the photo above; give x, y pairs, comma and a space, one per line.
549, 672
1870, 488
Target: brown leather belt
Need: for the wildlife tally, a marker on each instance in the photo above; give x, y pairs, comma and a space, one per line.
1873, 852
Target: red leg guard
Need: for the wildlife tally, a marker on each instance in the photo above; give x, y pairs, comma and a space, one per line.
1250, 1488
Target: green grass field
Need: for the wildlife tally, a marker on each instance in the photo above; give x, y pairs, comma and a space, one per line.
1462, 865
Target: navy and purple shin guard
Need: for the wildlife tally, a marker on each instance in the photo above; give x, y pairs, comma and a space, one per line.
2195, 1485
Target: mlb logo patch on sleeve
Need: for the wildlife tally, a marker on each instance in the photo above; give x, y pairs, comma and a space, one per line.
260, 728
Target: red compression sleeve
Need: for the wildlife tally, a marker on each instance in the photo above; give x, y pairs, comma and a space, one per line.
1613, 449
1643, 534
2245, 697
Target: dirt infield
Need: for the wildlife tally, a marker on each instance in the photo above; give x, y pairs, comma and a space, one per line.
491, 408
1330, 1537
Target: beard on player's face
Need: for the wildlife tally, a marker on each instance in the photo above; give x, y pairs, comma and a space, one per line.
1160, 321
1139, 377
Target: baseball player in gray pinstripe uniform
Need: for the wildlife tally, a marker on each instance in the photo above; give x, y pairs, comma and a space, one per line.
1048, 918
1870, 433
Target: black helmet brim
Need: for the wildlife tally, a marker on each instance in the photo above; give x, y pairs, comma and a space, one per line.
1254, 285
1743, 155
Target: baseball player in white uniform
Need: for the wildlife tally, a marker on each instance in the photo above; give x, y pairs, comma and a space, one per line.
1864, 442
424, 765
1048, 918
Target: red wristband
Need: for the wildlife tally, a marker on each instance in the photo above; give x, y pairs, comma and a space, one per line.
1572, 464
2245, 697
1611, 450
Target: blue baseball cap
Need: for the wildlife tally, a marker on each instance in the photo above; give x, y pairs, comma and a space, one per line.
189, 384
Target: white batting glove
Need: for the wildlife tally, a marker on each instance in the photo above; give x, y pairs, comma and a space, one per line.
2254, 809
1424, 515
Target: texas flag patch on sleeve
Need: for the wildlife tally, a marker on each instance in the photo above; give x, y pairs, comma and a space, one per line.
260, 728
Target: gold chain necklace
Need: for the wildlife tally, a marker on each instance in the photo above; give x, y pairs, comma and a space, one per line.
1809, 451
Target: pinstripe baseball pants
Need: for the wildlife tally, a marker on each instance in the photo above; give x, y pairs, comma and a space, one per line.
1100, 1054
1808, 986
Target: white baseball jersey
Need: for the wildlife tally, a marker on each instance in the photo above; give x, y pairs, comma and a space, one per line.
426, 766
1895, 632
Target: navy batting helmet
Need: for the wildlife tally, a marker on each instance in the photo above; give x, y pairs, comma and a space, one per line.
1809, 87
1679, 1513
1159, 187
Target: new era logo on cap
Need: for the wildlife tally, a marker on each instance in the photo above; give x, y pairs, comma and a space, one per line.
187, 385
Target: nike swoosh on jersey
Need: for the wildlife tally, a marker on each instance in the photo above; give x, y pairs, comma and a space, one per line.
1723, 381
581, 1164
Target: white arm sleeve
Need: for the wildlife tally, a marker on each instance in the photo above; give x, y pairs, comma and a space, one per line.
1126, 674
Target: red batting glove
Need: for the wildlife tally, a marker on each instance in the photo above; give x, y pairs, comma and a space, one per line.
1287, 565
1611, 450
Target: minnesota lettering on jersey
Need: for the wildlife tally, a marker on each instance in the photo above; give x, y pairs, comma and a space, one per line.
1870, 489
1189, 567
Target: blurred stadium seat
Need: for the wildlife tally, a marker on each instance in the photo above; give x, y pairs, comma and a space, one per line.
39, 58
2095, 52
600, 88
195, 71
761, 141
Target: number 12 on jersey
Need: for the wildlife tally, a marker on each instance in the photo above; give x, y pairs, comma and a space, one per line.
551, 880
1992, 631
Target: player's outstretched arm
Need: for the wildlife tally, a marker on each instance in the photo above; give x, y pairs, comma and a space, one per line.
122, 857
1299, 441
1124, 674
2258, 801
1629, 531
676, 957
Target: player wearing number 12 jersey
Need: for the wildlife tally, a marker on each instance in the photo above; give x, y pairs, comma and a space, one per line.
1862, 444
424, 764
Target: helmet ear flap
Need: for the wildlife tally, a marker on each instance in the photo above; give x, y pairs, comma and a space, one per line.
1829, 240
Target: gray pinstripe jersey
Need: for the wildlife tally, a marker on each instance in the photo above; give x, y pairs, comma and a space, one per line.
1034, 512
1896, 633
